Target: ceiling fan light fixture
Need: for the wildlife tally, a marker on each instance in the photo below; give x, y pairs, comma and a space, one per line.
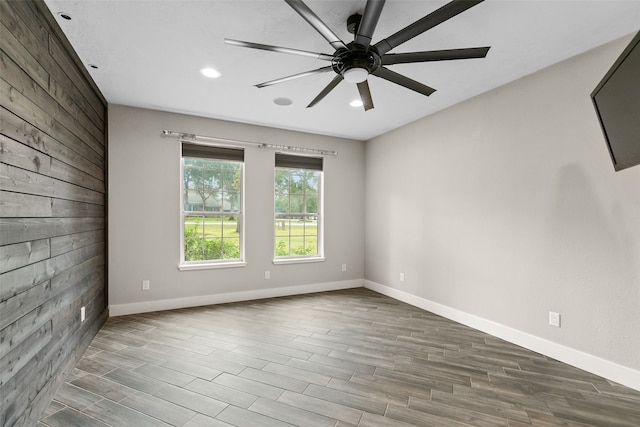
356, 103
355, 75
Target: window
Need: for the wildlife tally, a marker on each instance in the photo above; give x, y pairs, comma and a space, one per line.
212, 194
298, 208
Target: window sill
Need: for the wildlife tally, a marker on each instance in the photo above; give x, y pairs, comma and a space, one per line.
211, 266
298, 260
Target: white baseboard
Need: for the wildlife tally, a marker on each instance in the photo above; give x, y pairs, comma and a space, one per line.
175, 303
604, 368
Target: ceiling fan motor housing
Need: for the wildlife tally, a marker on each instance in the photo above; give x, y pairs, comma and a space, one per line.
353, 22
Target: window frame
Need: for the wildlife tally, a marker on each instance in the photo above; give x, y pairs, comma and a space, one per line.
184, 265
298, 259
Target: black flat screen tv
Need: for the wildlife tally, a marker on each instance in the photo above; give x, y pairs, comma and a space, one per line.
617, 103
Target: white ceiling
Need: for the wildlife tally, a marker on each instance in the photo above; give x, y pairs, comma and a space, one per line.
149, 54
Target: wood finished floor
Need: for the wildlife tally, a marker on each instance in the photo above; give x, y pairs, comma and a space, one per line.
335, 359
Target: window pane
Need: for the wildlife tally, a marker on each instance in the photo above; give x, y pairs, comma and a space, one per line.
311, 204
312, 182
213, 248
311, 244
232, 201
282, 246
230, 227
193, 238
297, 182
231, 248
231, 177
282, 204
296, 204
213, 227
283, 226
282, 181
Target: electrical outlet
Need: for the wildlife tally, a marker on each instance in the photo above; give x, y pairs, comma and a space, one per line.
82, 314
554, 319
267, 274
344, 267
402, 277
146, 285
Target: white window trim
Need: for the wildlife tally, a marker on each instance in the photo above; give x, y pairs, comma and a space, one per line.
298, 260
211, 264
301, 259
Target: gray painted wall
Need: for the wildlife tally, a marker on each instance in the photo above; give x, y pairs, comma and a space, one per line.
144, 209
507, 207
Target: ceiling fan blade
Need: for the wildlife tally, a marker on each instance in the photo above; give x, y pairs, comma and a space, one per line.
434, 55
280, 49
337, 79
368, 23
447, 11
304, 11
401, 80
365, 95
294, 76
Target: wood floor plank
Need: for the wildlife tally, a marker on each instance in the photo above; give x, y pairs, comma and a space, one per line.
318, 368
160, 409
165, 374
419, 418
290, 414
275, 380
342, 359
117, 415
70, 417
321, 407
351, 400
103, 386
373, 420
117, 359
465, 415
191, 369
201, 420
75, 397
54, 407
191, 400
469, 401
249, 353
222, 393
288, 371
95, 367
135, 381
385, 394
249, 386
243, 418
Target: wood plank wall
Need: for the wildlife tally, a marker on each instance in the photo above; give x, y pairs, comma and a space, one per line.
52, 209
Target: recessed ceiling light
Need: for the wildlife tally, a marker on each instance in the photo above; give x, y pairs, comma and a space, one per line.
64, 15
210, 72
356, 103
282, 101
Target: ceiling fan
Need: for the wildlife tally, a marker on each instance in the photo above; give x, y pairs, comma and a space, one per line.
355, 61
